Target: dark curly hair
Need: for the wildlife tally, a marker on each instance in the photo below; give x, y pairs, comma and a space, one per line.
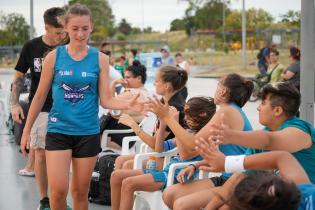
137, 69
264, 191
200, 110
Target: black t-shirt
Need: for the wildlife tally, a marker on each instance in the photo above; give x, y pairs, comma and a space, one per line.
31, 57
178, 102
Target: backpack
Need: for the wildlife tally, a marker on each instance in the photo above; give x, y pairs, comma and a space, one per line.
100, 183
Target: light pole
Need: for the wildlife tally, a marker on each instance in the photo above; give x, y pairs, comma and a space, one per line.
31, 20
307, 60
223, 22
243, 36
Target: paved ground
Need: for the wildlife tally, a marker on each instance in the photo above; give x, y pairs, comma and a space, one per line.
20, 193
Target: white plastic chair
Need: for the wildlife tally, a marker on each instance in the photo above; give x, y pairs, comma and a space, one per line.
154, 199
147, 125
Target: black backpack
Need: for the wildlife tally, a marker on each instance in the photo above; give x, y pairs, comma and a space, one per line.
100, 184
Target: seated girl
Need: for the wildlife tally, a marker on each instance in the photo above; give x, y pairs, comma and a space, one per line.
283, 131
232, 92
291, 190
198, 111
168, 81
135, 77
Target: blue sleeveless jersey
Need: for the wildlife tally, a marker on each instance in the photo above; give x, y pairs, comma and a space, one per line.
232, 149
75, 94
307, 196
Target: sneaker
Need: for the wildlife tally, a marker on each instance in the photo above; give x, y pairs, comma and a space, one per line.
44, 204
69, 208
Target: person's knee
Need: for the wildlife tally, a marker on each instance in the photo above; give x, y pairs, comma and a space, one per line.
79, 194
58, 193
128, 184
40, 156
181, 204
116, 177
119, 162
168, 197
128, 164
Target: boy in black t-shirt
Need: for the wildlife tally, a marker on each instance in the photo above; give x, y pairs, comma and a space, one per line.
32, 54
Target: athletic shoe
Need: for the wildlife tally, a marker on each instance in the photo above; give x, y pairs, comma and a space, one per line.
44, 204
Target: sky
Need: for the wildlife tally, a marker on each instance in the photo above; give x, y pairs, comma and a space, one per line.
143, 13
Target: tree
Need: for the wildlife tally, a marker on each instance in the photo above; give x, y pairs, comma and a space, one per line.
103, 18
136, 30
210, 15
255, 19
202, 14
124, 27
148, 29
177, 24
13, 29
258, 19
292, 18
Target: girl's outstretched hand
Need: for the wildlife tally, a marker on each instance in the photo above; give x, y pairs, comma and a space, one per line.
209, 150
126, 120
135, 105
155, 105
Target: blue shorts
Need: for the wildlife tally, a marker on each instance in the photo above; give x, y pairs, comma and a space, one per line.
159, 176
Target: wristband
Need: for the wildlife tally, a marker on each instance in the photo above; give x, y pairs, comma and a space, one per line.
193, 165
234, 163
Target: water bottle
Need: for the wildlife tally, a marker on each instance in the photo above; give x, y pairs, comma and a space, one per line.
151, 164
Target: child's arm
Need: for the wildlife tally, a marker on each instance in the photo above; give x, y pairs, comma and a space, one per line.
128, 121
159, 137
263, 161
290, 139
161, 110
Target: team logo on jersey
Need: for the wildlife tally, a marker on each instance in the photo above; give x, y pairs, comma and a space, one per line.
88, 74
74, 94
65, 72
53, 119
38, 64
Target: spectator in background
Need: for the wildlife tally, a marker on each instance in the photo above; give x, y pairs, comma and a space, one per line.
167, 59
119, 65
263, 60
104, 48
182, 63
292, 73
135, 77
133, 57
275, 68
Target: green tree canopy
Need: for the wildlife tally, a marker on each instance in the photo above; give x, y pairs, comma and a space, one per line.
202, 14
124, 27
292, 18
255, 19
177, 24
14, 29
